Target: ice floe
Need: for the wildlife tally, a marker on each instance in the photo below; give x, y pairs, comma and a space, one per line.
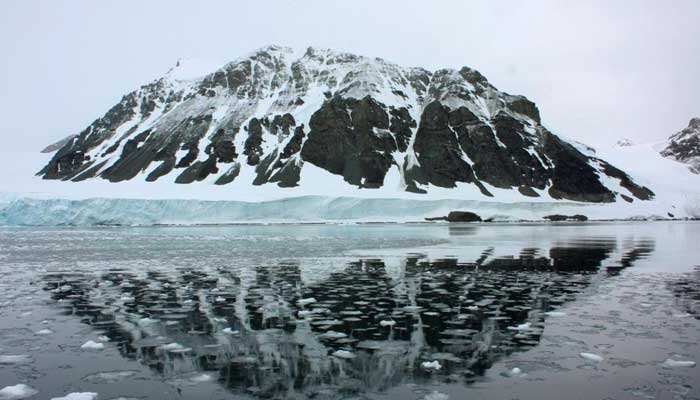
77, 396
434, 365
15, 359
92, 345
678, 363
514, 373
435, 395
555, 314
343, 354
304, 302
172, 346
591, 357
109, 376
19, 391
201, 378
521, 327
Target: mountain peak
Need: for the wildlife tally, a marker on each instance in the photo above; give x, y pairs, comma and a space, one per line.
684, 146
288, 119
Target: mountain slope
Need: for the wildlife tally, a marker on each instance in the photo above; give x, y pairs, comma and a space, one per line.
276, 117
684, 146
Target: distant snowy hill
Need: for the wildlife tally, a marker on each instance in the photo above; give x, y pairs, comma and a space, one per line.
624, 142
684, 146
325, 122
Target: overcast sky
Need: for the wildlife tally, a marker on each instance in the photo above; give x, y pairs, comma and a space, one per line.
598, 70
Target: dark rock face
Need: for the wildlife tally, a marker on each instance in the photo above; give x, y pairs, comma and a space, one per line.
222, 147
229, 175
438, 150
71, 159
640, 192
253, 147
500, 157
401, 124
573, 178
260, 115
684, 146
351, 138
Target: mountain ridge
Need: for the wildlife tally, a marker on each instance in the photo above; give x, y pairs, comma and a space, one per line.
273, 115
684, 146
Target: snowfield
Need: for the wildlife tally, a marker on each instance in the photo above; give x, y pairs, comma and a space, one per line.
322, 197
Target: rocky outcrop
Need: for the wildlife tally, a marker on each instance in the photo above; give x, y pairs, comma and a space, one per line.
457, 216
560, 217
268, 116
684, 146
351, 138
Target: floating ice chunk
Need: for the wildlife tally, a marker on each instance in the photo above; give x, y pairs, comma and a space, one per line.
682, 315
435, 365
333, 335
555, 314
305, 313
103, 338
78, 396
343, 354
473, 308
127, 299
201, 378
172, 346
109, 376
147, 321
520, 327
435, 395
92, 345
19, 391
387, 323
678, 363
514, 373
370, 345
230, 331
304, 302
15, 359
44, 332
591, 357
220, 299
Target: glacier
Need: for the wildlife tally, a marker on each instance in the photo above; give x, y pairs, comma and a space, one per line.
24, 211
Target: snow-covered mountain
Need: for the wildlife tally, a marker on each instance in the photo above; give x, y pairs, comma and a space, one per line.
337, 121
684, 146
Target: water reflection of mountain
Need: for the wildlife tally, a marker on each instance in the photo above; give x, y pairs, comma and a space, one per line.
368, 325
687, 292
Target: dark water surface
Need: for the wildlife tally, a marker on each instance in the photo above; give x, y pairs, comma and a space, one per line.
385, 311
